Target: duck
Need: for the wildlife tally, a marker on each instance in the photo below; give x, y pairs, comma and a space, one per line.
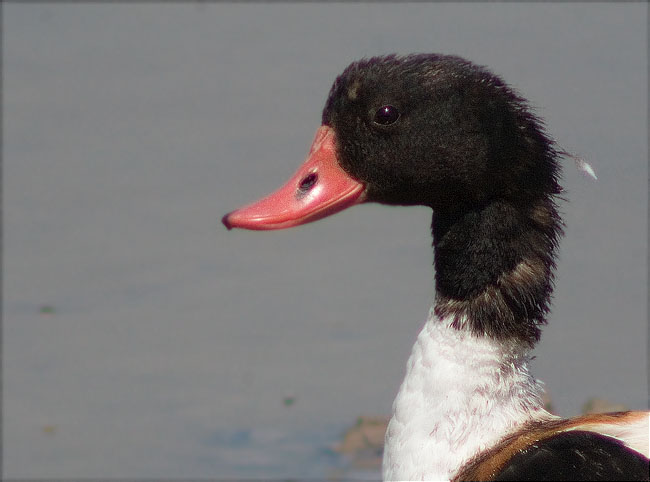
440, 131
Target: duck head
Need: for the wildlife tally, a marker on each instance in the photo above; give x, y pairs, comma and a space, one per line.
442, 132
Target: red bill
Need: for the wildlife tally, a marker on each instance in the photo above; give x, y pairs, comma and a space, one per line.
318, 189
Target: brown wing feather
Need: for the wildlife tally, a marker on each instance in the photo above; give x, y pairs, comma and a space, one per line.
487, 464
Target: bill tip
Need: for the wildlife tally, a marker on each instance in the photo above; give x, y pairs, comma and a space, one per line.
226, 221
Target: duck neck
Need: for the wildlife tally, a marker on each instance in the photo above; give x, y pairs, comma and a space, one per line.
494, 267
461, 394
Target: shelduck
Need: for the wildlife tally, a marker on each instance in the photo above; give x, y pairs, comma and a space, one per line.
439, 131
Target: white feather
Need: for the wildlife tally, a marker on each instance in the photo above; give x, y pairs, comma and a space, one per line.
583, 166
586, 168
461, 394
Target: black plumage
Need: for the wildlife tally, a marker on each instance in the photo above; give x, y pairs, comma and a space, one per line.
576, 455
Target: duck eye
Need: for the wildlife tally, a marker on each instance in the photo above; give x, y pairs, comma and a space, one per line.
386, 115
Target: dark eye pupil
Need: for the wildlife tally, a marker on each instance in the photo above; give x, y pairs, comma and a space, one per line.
386, 115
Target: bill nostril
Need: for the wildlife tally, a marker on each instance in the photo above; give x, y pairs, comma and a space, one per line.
307, 183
